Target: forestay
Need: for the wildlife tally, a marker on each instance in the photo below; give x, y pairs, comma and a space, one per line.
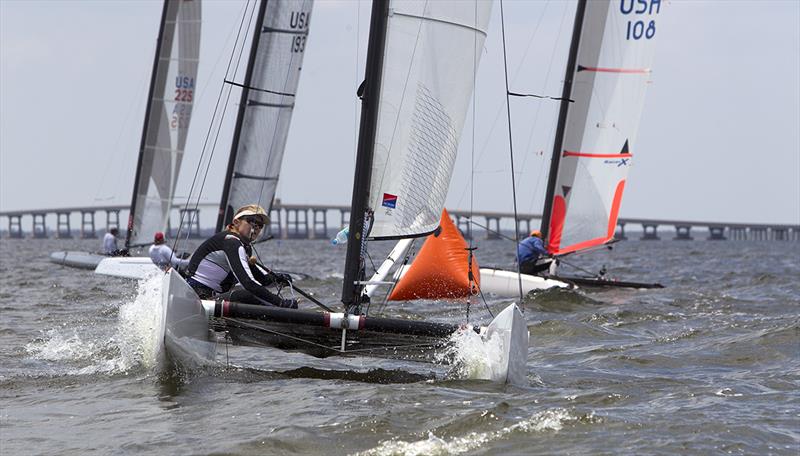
608, 81
427, 84
169, 111
266, 108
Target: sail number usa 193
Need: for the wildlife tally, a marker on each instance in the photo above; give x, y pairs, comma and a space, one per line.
640, 26
299, 21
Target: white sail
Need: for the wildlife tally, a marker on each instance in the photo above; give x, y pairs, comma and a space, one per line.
613, 69
170, 110
267, 110
431, 54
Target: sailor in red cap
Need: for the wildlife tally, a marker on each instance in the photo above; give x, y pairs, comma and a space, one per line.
163, 256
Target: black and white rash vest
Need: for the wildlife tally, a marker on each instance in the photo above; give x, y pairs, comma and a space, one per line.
222, 261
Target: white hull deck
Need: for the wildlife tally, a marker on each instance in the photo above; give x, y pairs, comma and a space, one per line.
127, 267
506, 284
76, 259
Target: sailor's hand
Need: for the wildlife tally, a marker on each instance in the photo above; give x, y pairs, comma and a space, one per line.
288, 303
283, 277
185, 255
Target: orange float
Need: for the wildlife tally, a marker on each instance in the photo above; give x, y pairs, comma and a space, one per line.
440, 270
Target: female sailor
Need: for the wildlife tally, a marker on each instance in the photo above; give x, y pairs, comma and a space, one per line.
225, 259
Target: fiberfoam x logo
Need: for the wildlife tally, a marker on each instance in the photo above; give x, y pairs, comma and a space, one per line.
389, 200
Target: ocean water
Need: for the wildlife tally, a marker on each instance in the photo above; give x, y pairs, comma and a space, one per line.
708, 365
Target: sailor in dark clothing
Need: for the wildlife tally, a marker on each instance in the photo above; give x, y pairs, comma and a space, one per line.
225, 259
528, 253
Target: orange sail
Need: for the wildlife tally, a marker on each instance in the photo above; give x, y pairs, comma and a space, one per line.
440, 269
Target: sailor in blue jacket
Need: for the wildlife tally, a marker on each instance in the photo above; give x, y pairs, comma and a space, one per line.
528, 253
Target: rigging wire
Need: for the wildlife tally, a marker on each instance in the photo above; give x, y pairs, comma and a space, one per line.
551, 131
211, 125
511, 151
485, 147
472, 248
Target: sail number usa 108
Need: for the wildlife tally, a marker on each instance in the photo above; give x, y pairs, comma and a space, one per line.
637, 29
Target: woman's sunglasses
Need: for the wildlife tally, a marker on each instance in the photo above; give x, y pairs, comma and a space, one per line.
255, 222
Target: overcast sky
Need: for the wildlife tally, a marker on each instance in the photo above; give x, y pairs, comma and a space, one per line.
719, 138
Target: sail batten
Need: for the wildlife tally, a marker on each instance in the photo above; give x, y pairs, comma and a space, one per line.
607, 77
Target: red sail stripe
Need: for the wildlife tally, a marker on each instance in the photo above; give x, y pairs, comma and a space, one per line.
612, 224
617, 70
582, 245
568, 153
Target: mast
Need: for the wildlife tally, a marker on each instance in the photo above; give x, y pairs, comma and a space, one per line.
142, 145
225, 213
353, 269
562, 117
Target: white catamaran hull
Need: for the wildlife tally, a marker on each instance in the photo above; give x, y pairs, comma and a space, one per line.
76, 259
185, 327
510, 326
505, 283
127, 267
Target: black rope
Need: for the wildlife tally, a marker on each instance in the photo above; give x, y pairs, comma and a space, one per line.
486, 304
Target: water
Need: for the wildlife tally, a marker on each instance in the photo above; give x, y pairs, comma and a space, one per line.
708, 365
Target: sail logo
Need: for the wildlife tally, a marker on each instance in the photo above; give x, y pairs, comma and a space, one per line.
619, 162
389, 200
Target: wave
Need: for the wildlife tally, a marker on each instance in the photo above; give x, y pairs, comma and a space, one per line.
551, 420
132, 344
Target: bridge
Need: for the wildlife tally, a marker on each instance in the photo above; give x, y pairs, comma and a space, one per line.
310, 221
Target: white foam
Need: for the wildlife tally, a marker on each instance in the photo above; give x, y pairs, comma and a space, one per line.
134, 341
475, 358
55, 346
546, 420
138, 333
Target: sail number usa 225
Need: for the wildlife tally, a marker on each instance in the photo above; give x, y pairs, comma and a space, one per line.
184, 93
639, 11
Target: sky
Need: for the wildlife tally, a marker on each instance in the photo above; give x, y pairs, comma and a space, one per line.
719, 137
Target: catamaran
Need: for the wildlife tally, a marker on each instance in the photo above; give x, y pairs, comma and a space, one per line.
608, 69
166, 124
419, 74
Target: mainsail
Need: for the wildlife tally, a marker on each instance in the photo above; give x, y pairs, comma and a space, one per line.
421, 62
265, 111
169, 110
608, 70
432, 51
